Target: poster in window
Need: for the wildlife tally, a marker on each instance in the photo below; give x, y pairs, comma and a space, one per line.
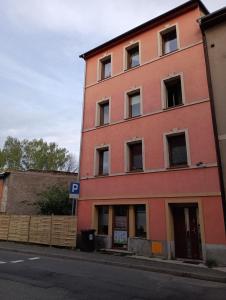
120, 237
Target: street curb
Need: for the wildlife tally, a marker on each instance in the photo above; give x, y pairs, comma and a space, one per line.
125, 265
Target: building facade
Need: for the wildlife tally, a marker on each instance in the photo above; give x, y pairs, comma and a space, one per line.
19, 190
148, 167
214, 33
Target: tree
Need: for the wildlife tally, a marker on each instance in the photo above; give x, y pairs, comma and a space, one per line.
43, 156
35, 154
2, 160
54, 200
12, 153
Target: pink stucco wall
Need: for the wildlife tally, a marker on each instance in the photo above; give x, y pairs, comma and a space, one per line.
194, 117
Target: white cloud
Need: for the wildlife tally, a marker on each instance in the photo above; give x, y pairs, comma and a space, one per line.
99, 16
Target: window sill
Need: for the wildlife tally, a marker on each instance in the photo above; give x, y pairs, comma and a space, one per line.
131, 118
103, 125
168, 53
101, 175
103, 79
173, 107
178, 167
135, 171
140, 237
130, 68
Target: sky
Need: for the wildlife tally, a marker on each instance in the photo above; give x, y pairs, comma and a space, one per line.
41, 74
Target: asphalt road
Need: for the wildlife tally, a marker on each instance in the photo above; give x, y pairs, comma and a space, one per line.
30, 277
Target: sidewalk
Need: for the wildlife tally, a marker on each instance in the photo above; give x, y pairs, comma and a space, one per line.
134, 262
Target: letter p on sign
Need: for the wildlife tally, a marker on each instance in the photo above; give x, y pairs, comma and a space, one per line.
74, 189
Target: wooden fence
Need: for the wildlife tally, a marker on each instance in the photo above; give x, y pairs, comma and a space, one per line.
49, 230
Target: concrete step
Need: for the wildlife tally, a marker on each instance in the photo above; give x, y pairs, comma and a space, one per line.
116, 252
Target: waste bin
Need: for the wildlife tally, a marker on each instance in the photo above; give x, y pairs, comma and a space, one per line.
88, 240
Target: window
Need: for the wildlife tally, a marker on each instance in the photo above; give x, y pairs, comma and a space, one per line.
132, 56
169, 40
103, 161
103, 219
173, 92
140, 221
133, 104
177, 150
103, 113
105, 67
135, 156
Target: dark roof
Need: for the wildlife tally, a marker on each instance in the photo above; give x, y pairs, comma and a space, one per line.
5, 174
214, 18
153, 22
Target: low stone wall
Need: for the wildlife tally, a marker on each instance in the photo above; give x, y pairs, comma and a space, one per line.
216, 253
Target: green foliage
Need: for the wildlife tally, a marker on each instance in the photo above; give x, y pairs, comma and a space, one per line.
2, 160
35, 154
12, 153
55, 200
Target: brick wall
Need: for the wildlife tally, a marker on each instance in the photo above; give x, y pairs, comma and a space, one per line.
23, 188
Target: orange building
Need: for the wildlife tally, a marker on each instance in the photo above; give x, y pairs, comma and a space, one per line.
148, 168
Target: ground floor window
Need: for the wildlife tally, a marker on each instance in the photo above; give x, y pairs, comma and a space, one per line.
126, 221
103, 219
140, 221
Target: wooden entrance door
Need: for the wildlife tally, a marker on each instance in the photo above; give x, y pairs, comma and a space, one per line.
120, 226
186, 232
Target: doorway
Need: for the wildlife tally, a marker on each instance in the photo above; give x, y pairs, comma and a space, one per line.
187, 238
120, 226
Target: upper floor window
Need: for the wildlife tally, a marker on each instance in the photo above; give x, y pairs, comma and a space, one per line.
103, 161
132, 56
177, 150
135, 156
173, 92
105, 64
169, 40
104, 112
134, 104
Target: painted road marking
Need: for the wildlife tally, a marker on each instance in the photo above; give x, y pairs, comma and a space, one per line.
19, 260
16, 261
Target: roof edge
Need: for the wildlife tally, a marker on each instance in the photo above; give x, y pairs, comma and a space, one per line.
214, 18
140, 28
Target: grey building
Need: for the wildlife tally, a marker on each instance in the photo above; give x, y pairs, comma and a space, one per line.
214, 32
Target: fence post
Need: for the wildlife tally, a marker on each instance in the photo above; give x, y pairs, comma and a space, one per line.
51, 229
29, 228
8, 228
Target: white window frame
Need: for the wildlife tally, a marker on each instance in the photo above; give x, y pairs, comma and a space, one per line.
98, 104
167, 27
96, 159
164, 90
175, 132
127, 154
126, 101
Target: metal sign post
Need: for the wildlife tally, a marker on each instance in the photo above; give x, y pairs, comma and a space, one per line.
74, 194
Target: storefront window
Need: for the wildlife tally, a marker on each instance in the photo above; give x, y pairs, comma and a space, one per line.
102, 219
140, 221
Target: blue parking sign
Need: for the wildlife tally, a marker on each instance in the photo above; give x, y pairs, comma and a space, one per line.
74, 189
